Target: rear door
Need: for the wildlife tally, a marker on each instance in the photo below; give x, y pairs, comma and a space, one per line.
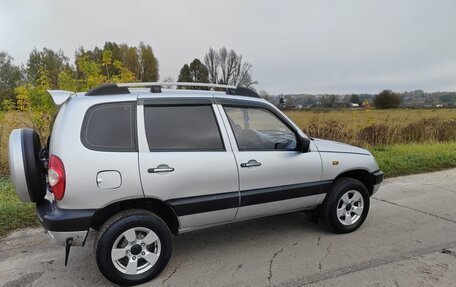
186, 160
274, 176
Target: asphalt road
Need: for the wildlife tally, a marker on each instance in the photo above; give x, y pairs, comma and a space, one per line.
408, 239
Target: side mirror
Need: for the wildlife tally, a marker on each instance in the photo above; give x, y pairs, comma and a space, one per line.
304, 145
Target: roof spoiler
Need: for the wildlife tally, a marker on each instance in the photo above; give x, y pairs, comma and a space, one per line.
60, 96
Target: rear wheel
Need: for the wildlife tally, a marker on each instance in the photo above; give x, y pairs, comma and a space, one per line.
133, 247
346, 206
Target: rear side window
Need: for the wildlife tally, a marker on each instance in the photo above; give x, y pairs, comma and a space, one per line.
175, 128
110, 127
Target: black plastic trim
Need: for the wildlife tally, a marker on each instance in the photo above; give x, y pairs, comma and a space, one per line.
378, 177
264, 195
56, 219
108, 89
205, 203
347, 152
242, 91
213, 202
155, 89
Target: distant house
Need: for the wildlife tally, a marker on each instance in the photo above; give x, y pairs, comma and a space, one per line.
354, 105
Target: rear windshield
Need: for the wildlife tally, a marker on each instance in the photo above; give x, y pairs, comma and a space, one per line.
110, 127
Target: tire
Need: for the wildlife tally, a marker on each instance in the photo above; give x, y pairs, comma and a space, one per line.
341, 208
26, 168
115, 237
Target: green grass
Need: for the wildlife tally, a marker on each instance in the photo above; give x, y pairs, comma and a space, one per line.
13, 213
393, 161
415, 158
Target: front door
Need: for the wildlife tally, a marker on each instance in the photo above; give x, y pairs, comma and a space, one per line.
274, 176
185, 159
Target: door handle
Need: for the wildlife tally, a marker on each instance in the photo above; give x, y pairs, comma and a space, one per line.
251, 163
160, 168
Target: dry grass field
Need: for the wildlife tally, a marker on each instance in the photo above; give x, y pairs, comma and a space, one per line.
372, 128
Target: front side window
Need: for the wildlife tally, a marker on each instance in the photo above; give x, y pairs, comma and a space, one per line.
189, 127
110, 127
259, 129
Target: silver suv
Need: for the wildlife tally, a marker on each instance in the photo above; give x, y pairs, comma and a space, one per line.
136, 163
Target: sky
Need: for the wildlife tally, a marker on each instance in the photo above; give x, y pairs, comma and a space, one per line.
324, 46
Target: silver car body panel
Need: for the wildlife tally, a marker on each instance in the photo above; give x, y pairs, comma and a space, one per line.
192, 176
82, 164
338, 158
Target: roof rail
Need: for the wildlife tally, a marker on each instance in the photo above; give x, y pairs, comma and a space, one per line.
155, 87
174, 84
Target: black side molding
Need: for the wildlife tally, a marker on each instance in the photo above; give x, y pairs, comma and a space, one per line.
213, 202
205, 203
56, 219
270, 194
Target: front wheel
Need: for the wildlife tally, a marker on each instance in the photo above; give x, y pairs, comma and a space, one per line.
133, 247
346, 206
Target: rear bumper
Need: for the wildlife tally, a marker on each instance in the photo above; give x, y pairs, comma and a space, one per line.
62, 224
56, 219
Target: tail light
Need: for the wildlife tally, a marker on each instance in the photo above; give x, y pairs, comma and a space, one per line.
56, 176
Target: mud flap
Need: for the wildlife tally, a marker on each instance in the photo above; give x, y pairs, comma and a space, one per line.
69, 241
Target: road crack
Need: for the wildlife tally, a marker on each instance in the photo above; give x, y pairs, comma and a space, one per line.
448, 251
328, 249
414, 209
271, 261
317, 277
171, 275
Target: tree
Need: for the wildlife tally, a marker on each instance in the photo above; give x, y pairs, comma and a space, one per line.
328, 101
138, 60
130, 59
228, 68
149, 64
387, 99
184, 74
212, 63
196, 72
51, 61
10, 76
354, 99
